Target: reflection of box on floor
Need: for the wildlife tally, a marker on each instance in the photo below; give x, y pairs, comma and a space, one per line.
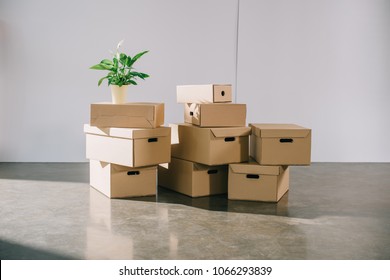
116, 181
251, 181
193, 179
127, 146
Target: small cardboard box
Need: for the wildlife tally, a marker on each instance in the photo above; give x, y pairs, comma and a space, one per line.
129, 115
210, 146
280, 144
193, 179
116, 181
251, 181
130, 147
215, 115
204, 94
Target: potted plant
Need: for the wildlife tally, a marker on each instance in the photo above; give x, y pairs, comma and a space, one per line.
121, 73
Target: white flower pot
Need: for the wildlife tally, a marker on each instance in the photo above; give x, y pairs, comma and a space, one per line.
119, 94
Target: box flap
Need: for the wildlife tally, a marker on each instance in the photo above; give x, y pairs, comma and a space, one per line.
279, 130
231, 131
254, 168
130, 133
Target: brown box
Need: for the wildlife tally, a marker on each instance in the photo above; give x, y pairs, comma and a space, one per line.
130, 147
193, 179
280, 144
116, 181
130, 115
251, 181
215, 115
204, 93
210, 146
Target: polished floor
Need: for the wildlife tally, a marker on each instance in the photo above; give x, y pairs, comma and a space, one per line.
332, 211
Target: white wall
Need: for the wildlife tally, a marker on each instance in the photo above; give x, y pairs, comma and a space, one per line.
324, 64
51, 44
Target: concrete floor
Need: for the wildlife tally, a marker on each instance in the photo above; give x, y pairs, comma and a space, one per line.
332, 211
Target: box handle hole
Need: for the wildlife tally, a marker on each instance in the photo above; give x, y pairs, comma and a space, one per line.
212, 171
132, 173
253, 176
230, 139
191, 113
152, 140
286, 140
223, 93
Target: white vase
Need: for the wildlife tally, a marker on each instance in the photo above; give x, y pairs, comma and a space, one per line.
119, 94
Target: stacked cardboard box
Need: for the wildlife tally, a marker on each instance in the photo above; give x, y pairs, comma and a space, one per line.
273, 147
213, 142
125, 143
213, 136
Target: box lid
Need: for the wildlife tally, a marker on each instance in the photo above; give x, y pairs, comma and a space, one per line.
230, 131
144, 112
130, 133
267, 130
255, 168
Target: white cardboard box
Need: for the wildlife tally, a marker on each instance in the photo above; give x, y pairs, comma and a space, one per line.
204, 93
116, 181
127, 146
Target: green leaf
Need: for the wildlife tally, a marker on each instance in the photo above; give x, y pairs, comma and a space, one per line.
136, 57
107, 61
101, 80
97, 67
123, 58
132, 82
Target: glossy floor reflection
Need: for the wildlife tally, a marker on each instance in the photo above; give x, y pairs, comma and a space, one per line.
332, 211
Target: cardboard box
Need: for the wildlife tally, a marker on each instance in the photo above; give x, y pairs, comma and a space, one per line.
280, 144
210, 146
193, 179
204, 93
251, 181
116, 181
130, 147
130, 115
215, 115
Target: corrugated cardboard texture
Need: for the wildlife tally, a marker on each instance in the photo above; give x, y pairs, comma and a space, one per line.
204, 94
211, 146
134, 115
255, 184
193, 179
117, 181
215, 115
150, 149
280, 144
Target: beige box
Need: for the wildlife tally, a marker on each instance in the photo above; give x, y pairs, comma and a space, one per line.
129, 115
280, 144
210, 146
215, 115
193, 179
130, 147
117, 181
204, 93
251, 181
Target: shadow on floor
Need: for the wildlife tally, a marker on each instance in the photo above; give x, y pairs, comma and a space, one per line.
56, 172
13, 251
219, 203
